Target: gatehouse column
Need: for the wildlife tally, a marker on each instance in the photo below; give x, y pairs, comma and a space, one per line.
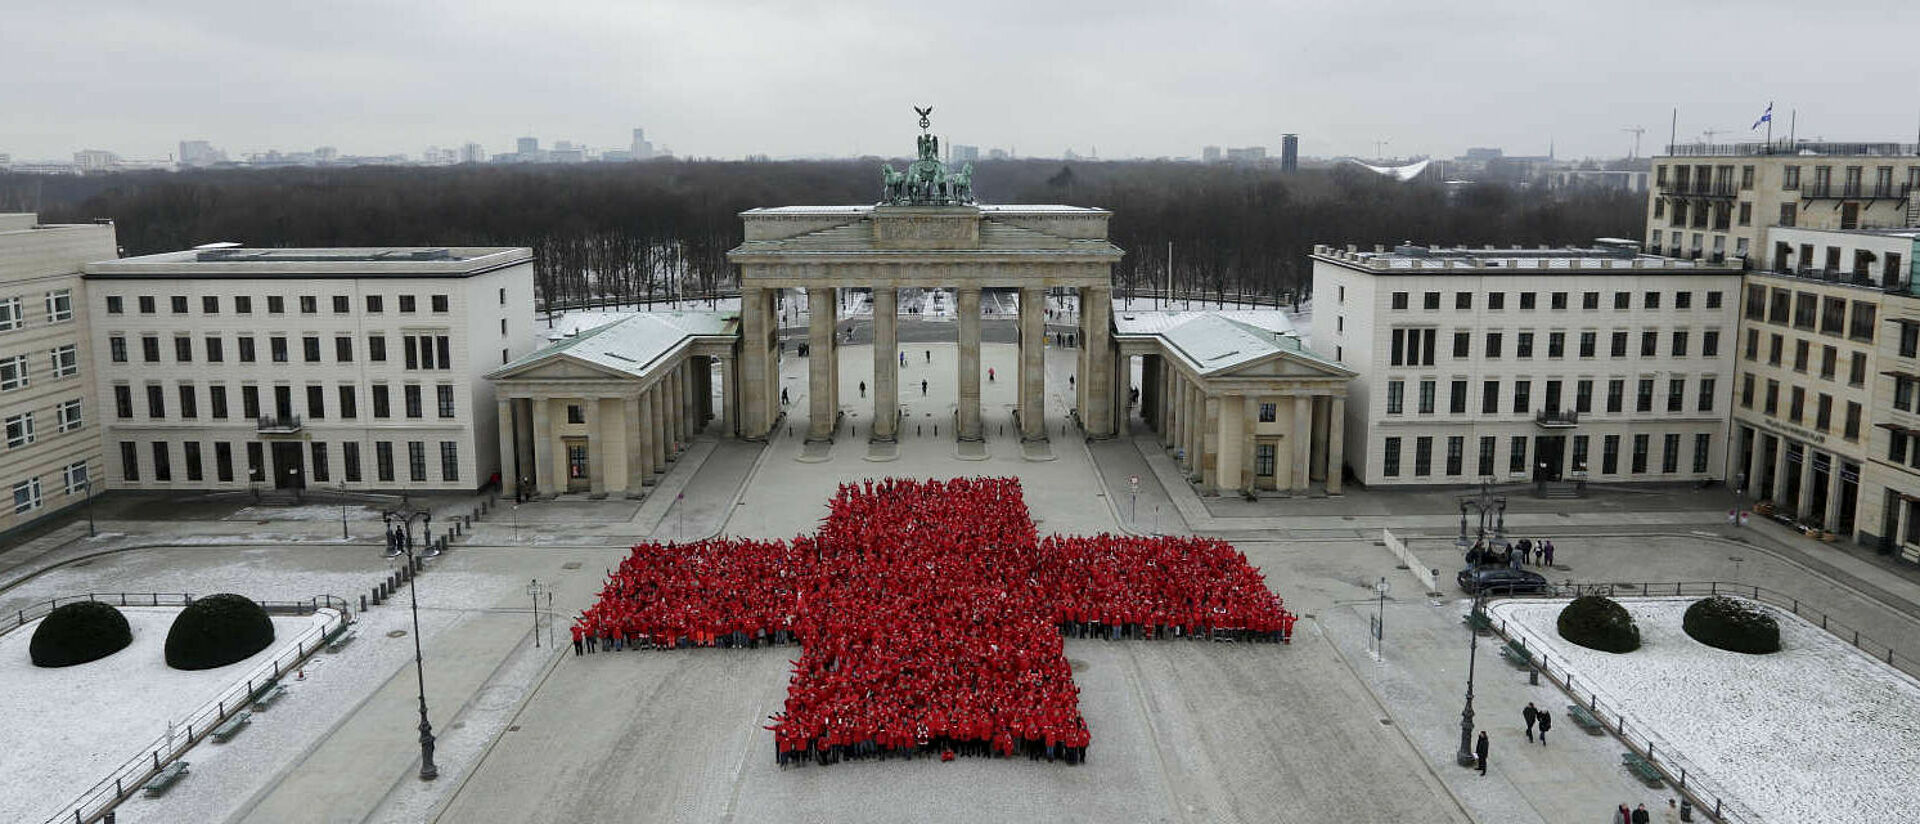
886, 364
1336, 443
662, 436
683, 400
1096, 309
1317, 445
636, 445
967, 304
649, 439
509, 474
542, 446
596, 448
729, 395
1302, 437
1210, 442
820, 407
1169, 394
756, 363
1233, 413
1033, 364
1196, 429
1182, 420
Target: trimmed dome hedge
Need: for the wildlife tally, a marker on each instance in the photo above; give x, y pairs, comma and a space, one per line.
216, 631
77, 633
1733, 625
1599, 623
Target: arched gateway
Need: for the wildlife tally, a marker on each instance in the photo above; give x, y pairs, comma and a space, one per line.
604, 411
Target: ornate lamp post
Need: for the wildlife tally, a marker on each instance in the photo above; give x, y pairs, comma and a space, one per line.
396, 547
1465, 756
1492, 528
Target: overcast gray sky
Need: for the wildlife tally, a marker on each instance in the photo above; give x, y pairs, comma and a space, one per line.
725, 79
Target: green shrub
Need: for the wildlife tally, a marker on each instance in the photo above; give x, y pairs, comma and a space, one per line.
216, 631
77, 633
1599, 623
1733, 625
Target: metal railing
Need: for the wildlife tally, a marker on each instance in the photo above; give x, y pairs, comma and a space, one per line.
93, 804
1699, 188
278, 423
1647, 746
1557, 417
1792, 147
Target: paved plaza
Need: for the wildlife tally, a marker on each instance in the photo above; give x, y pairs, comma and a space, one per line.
1315, 731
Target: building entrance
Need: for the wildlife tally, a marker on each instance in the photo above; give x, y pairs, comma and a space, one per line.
1548, 451
289, 466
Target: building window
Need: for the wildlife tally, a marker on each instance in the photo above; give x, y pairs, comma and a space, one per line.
1706, 393
1702, 446
1643, 401
1800, 352
1796, 404
383, 461
382, 408
1649, 343
1399, 300
1430, 301
1457, 397
256, 462
1263, 458
13, 372
1268, 412
1860, 327
1610, 455
217, 401
1589, 342
190, 454
215, 353
178, 303
503, 295
1556, 344
1463, 300
1852, 431
416, 457
183, 349
1490, 398
377, 348
1557, 301
162, 462
374, 305
1426, 396
1523, 345
406, 304
321, 472
1528, 300
115, 305
1618, 345
276, 305
1857, 370
1462, 345
310, 349
348, 408
242, 305
1833, 315
19, 430
1580, 453
245, 344
156, 401
117, 349
1390, 461
1496, 300
146, 304
277, 346
1640, 444
1522, 397
316, 402
340, 304
343, 349
1780, 307
1823, 413
1422, 456
1772, 404
123, 401
1517, 455
1591, 300
1493, 345
149, 349
1670, 453
1679, 343
449, 460
73, 477
443, 396
1486, 456
1676, 394
1456, 454
1774, 347
1622, 301
189, 402
129, 461
1806, 310
1710, 343
26, 495
1583, 396
68, 415
350, 461
411, 394
223, 461
60, 306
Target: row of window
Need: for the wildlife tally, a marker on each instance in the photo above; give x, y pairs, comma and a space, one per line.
1416, 347
27, 494
1553, 401
1496, 301
1455, 457
418, 351
1704, 179
318, 468
1802, 355
59, 303
68, 416
63, 362
1721, 214
347, 408
1797, 406
1809, 311
276, 304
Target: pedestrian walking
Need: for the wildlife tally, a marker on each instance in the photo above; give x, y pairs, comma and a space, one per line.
929, 356
903, 360
1531, 714
923, 387
989, 374
1516, 559
1670, 815
1622, 815
578, 635
1641, 816
1480, 752
783, 396
1548, 550
1546, 723
863, 389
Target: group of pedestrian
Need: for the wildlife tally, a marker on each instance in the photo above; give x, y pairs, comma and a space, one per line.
1519, 553
930, 616
1535, 716
1670, 814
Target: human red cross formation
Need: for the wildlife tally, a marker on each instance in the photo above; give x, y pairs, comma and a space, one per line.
931, 616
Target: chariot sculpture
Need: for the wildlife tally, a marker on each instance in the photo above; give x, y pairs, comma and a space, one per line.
926, 181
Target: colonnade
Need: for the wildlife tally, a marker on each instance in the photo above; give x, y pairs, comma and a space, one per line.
605, 438
1217, 435
1773, 473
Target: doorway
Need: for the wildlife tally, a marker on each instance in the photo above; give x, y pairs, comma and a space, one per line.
578, 479
1548, 450
289, 467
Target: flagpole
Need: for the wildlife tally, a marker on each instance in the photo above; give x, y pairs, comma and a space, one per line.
1793, 126
1673, 131
1769, 127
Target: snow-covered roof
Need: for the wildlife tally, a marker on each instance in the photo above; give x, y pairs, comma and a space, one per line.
1219, 340
633, 344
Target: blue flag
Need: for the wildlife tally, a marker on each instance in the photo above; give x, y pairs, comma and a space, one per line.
1765, 118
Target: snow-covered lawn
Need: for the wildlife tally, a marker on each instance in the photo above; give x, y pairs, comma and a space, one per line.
66, 729
1815, 732
305, 512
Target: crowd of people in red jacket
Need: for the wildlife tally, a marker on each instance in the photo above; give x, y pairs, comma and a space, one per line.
930, 616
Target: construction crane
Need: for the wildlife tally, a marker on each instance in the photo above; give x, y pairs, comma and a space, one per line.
1636, 131
1709, 133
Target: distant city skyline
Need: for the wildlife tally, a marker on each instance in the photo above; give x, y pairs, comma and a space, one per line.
798, 80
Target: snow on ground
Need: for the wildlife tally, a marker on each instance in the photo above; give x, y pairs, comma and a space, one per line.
306, 512
1815, 732
70, 727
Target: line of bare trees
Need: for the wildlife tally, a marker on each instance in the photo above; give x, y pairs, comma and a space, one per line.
660, 230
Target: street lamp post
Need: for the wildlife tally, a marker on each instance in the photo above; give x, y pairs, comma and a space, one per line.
88, 483
343, 511
533, 591
1465, 756
395, 548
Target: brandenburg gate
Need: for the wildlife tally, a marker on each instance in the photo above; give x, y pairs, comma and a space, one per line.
927, 232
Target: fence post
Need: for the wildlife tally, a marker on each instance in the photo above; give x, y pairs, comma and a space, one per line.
1823, 620
118, 791
1713, 588
1683, 777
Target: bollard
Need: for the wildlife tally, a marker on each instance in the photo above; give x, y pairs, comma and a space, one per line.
1533, 677
363, 603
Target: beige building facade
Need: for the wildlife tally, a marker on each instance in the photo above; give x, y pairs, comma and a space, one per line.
50, 459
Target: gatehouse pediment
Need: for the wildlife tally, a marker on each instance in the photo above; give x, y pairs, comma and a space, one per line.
562, 367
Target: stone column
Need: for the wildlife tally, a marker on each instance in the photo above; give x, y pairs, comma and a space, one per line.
1033, 364
1302, 437
886, 364
820, 407
509, 473
636, 446
756, 363
1196, 433
683, 401
729, 395
1336, 443
1755, 453
967, 305
1317, 445
1183, 421
1803, 504
1833, 494
1233, 413
1779, 470
1098, 413
649, 437
596, 448
1211, 444
1169, 401
542, 446
662, 436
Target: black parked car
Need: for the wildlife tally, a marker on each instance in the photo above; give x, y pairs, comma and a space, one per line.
1501, 580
